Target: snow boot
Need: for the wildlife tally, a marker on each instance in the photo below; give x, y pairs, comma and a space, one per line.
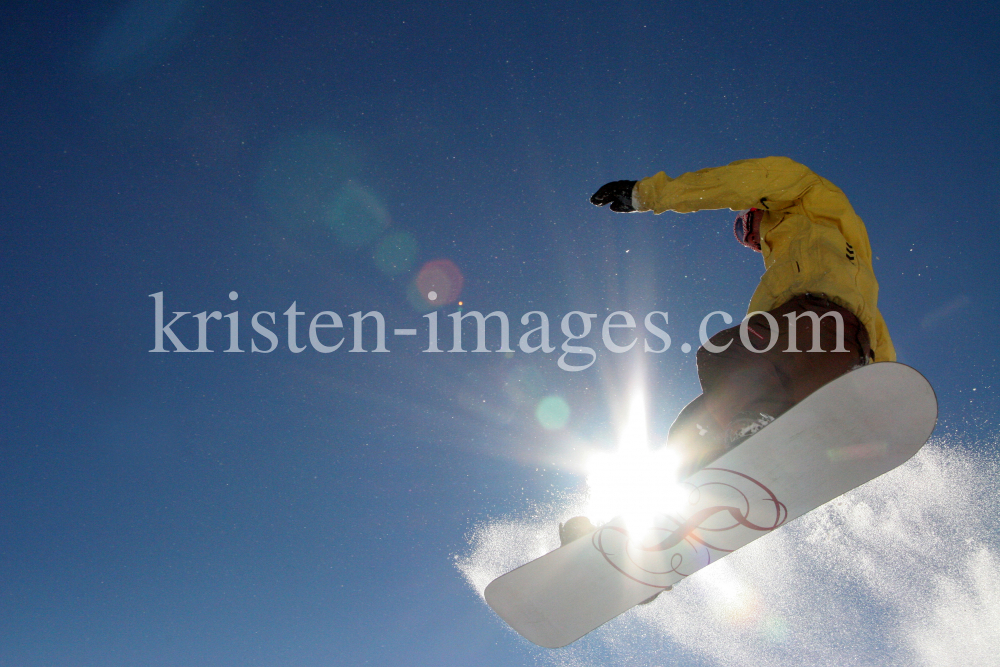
574, 529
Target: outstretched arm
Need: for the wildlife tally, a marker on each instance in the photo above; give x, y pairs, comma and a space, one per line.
740, 185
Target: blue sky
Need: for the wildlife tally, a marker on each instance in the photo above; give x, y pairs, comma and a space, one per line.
318, 509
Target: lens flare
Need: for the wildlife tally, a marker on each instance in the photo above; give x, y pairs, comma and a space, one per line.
441, 277
301, 175
356, 216
395, 253
140, 34
733, 600
552, 413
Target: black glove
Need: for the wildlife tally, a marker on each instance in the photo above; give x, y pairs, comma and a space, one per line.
616, 193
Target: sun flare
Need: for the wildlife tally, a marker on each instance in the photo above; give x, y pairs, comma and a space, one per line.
634, 481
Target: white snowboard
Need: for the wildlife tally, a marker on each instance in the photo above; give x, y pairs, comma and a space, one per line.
848, 432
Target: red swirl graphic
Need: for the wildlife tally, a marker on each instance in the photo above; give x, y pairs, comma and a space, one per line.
688, 544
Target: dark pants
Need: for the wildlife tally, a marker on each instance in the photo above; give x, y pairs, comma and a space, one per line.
738, 382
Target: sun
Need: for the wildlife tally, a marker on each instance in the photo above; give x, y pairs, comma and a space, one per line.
635, 481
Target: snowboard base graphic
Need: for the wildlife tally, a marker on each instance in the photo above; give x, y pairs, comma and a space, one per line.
848, 432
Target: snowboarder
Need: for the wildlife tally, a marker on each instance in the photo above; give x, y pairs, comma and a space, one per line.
818, 275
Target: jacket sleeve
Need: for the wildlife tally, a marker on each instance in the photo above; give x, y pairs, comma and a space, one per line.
740, 185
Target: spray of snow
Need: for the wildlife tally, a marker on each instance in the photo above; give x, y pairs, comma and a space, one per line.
902, 571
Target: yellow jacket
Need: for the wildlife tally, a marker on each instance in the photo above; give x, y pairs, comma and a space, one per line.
811, 238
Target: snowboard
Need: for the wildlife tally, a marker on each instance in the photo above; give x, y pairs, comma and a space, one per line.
846, 433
